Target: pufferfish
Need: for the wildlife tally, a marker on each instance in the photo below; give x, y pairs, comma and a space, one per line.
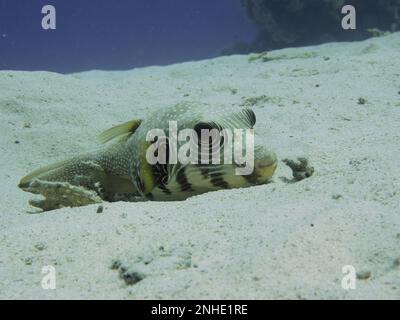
120, 170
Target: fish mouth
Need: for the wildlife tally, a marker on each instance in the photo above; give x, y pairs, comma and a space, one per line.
265, 168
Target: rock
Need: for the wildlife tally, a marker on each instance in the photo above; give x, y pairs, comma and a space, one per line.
364, 275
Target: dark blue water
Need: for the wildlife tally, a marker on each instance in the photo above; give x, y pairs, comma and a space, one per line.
121, 34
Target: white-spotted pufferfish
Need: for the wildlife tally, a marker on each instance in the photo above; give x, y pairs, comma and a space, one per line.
120, 170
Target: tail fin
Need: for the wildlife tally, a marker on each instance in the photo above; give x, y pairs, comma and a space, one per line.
94, 171
74, 171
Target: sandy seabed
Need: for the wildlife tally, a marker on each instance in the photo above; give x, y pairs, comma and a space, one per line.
338, 105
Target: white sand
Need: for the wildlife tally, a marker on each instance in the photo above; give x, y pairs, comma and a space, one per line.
282, 240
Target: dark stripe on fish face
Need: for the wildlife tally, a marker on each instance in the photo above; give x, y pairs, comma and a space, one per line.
139, 184
164, 189
181, 178
251, 116
218, 181
160, 173
149, 196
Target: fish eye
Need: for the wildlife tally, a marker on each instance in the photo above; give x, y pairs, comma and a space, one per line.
202, 126
208, 126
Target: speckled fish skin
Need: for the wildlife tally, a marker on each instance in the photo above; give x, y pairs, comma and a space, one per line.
120, 170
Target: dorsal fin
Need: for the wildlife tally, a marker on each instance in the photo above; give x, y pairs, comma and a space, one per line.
244, 118
127, 128
250, 117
